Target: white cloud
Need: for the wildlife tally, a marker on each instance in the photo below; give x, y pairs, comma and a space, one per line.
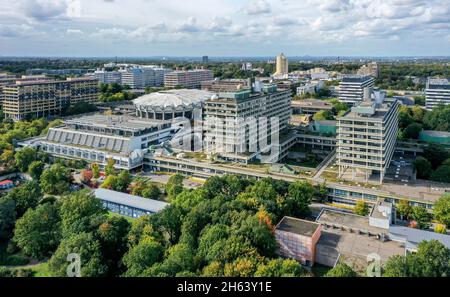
256, 7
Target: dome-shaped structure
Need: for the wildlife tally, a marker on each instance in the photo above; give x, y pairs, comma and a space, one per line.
166, 105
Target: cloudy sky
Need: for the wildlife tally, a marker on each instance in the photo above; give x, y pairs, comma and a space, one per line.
224, 27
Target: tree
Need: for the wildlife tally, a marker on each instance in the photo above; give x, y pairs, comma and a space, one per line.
421, 216
300, 195
323, 115
109, 168
79, 213
56, 179
87, 247
95, 170
441, 210
123, 181
423, 168
113, 237
404, 117
86, 176
436, 154
174, 186
180, 258
25, 196
431, 260
279, 268
442, 174
241, 267
7, 217
38, 231
404, 209
361, 208
110, 182
260, 235
412, 131
341, 270
35, 169
438, 119
151, 191
439, 228
142, 256
24, 158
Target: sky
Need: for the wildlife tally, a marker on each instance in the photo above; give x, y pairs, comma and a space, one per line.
107, 28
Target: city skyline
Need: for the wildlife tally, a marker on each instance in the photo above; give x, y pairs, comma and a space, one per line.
219, 28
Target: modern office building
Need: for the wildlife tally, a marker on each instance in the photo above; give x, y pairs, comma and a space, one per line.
437, 92
189, 79
107, 77
128, 205
224, 85
140, 77
370, 69
367, 135
170, 104
297, 239
228, 126
351, 88
205, 59
41, 98
97, 138
282, 66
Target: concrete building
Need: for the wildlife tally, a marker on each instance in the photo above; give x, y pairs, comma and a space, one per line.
140, 77
107, 77
205, 59
97, 138
189, 79
170, 104
228, 119
128, 205
351, 88
224, 85
370, 69
367, 135
282, 66
437, 92
310, 106
432, 136
41, 98
297, 239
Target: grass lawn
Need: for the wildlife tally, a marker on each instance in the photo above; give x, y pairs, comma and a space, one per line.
39, 270
113, 214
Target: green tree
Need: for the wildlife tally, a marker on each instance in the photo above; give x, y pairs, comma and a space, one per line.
423, 168
404, 117
442, 174
361, 208
323, 115
404, 209
436, 154
142, 256
123, 181
341, 270
441, 210
431, 260
56, 179
421, 216
25, 196
174, 186
38, 231
109, 168
95, 170
180, 258
79, 213
24, 158
89, 250
412, 131
35, 169
151, 191
7, 217
279, 268
300, 195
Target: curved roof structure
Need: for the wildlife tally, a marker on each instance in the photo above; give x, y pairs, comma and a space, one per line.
173, 99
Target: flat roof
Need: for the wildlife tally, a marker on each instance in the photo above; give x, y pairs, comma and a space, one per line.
312, 102
349, 220
356, 78
130, 200
297, 226
417, 235
438, 83
436, 133
116, 122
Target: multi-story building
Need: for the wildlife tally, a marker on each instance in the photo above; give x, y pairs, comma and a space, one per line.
189, 79
282, 66
232, 120
205, 59
437, 92
107, 77
41, 98
310, 106
351, 88
97, 138
367, 135
371, 69
224, 85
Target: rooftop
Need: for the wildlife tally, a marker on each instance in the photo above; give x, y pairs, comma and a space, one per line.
174, 98
438, 83
297, 226
311, 102
130, 200
128, 123
356, 78
417, 235
436, 133
348, 220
